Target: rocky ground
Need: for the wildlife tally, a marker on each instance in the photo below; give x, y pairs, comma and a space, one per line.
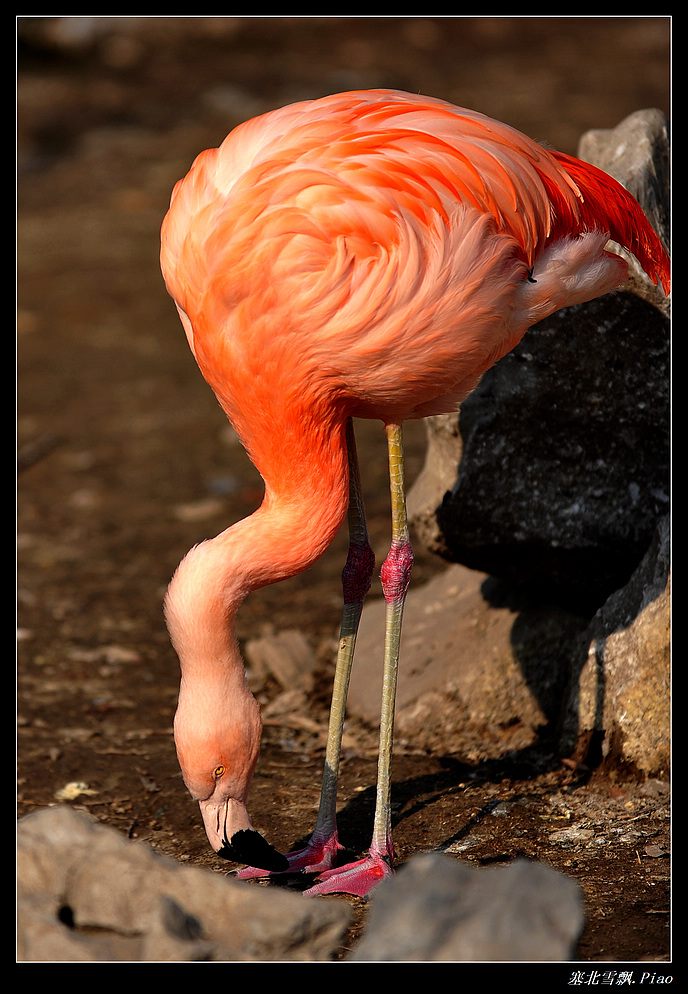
126, 461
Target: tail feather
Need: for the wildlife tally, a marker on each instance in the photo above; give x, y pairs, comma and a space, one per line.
606, 202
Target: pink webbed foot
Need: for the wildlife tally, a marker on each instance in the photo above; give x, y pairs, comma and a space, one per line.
359, 878
317, 856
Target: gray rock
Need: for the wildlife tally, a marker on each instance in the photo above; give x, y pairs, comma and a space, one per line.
437, 908
85, 893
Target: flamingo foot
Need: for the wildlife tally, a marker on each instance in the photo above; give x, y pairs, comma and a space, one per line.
318, 855
359, 878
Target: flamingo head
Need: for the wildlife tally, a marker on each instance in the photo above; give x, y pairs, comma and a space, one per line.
218, 755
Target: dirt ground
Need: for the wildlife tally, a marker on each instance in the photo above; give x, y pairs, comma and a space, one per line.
125, 460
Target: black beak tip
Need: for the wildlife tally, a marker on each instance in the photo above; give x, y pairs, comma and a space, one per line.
249, 847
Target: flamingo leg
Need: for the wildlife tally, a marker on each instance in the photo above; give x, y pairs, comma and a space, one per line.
361, 877
321, 852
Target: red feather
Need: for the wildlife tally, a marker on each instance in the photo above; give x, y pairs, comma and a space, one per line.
604, 200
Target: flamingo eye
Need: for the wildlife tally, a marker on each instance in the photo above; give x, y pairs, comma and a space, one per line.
218, 772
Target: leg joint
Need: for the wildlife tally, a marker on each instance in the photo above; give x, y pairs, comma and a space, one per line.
396, 571
358, 572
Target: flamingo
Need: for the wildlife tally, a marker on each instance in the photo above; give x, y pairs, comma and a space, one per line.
364, 255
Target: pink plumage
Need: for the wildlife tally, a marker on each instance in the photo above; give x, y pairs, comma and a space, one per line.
369, 254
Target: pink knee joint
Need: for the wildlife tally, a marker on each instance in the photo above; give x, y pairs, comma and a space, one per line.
358, 572
396, 571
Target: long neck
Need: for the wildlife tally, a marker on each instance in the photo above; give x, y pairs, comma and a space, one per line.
304, 505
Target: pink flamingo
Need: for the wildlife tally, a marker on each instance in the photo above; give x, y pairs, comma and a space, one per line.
368, 255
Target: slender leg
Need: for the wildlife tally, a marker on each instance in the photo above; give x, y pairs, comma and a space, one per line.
321, 851
356, 579
361, 877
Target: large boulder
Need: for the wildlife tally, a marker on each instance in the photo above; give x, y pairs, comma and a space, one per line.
87, 894
438, 909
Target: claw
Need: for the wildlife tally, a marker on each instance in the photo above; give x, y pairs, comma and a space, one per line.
359, 878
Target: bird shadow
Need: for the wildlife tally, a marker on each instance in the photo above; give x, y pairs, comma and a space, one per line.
414, 794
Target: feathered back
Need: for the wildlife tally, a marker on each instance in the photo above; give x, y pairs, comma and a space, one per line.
421, 152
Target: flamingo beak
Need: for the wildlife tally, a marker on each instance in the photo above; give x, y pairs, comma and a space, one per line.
232, 836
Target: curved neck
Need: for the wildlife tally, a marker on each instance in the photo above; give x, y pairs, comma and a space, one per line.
305, 502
